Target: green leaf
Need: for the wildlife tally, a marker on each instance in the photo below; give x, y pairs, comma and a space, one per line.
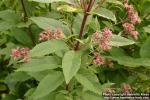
145, 49
48, 84
3, 87
6, 25
114, 51
20, 76
21, 36
106, 13
24, 24
91, 96
68, 8
29, 93
71, 64
9, 19
145, 8
77, 23
89, 80
94, 24
50, 96
108, 24
49, 23
46, 23
132, 62
41, 64
39, 75
10, 97
115, 2
3, 40
7, 50
9, 16
117, 40
48, 47
11, 83
61, 96
147, 29
51, 1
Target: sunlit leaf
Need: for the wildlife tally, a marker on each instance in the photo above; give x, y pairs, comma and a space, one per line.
71, 64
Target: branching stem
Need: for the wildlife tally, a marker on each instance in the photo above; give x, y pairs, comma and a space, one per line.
24, 10
86, 10
25, 18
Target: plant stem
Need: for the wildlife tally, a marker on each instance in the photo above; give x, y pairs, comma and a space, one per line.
50, 7
68, 87
25, 12
31, 36
81, 31
86, 10
25, 17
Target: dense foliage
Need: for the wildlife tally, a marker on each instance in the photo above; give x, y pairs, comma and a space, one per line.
73, 49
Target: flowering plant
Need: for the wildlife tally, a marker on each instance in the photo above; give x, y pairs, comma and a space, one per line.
77, 51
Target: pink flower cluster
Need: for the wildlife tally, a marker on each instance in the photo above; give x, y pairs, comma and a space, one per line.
107, 33
134, 19
20, 53
104, 39
98, 59
109, 90
104, 42
96, 37
132, 14
129, 28
51, 34
126, 88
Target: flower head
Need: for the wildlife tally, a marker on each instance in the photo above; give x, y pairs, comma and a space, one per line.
104, 45
20, 53
126, 88
104, 42
135, 18
98, 59
24, 51
51, 34
15, 53
58, 33
129, 8
107, 33
109, 90
96, 37
46, 35
128, 27
134, 34
26, 58
132, 14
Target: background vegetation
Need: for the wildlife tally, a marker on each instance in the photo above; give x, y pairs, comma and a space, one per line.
62, 66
